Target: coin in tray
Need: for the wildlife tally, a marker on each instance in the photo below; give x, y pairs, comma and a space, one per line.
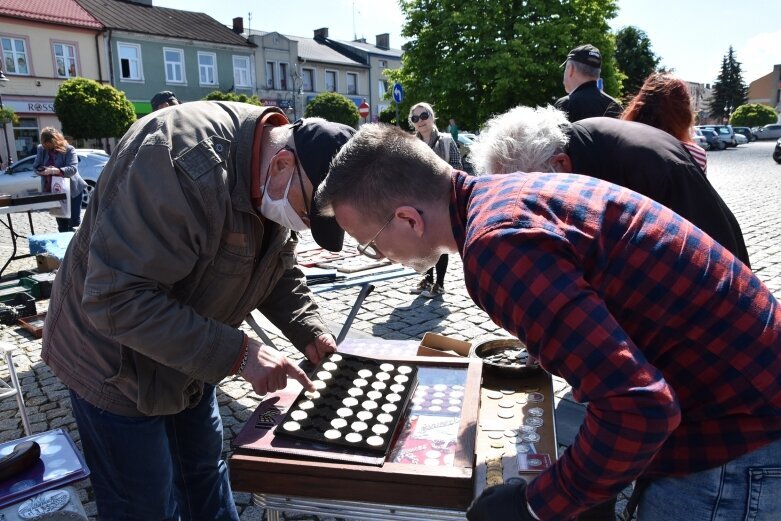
358, 403
505, 355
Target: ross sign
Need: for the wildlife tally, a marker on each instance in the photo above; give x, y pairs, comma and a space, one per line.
363, 110
31, 105
398, 93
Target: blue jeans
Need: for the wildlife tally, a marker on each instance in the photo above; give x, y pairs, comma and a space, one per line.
157, 467
745, 489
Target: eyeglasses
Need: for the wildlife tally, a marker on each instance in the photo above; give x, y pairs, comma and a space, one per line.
423, 115
370, 249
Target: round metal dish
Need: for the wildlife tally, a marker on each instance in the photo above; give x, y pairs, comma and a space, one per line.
506, 356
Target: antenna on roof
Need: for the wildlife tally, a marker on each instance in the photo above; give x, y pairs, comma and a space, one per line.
355, 35
249, 22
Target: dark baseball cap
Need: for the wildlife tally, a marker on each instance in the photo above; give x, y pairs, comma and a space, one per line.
317, 142
165, 96
585, 54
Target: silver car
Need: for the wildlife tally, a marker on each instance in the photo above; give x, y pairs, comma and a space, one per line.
21, 179
772, 131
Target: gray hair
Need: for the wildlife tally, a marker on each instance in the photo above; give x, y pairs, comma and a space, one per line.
424, 106
523, 139
380, 168
585, 70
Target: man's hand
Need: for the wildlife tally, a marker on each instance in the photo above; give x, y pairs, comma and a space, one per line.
319, 347
501, 503
267, 369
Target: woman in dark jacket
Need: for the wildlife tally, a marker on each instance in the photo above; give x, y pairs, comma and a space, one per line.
55, 157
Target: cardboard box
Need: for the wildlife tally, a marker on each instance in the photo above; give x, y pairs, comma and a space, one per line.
47, 263
440, 345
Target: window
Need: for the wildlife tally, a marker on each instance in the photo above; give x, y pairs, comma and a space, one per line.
383, 64
352, 83
15, 56
241, 73
130, 61
383, 85
65, 59
308, 80
174, 65
26, 136
270, 75
207, 68
283, 76
330, 81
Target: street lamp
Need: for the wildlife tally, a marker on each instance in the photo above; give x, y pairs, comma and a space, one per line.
3, 81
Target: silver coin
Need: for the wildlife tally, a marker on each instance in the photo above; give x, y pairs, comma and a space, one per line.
454, 408
494, 395
353, 437
507, 391
364, 415
365, 373
457, 387
397, 388
387, 368
440, 387
374, 395
435, 408
360, 382
350, 402
319, 384
306, 405
324, 375
313, 395
384, 418
332, 434
522, 448
330, 366
510, 433
521, 399
536, 411
438, 395
383, 376
437, 401
506, 404
369, 405
354, 391
527, 428
530, 437
344, 412
400, 378
404, 369
506, 414
376, 441
379, 429
335, 357
291, 426
338, 423
299, 415
388, 407
495, 435
536, 397
393, 397
533, 421
359, 426
379, 386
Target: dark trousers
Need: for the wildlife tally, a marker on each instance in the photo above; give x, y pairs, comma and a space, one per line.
441, 267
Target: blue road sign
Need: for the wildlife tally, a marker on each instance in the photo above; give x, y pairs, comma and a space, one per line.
398, 93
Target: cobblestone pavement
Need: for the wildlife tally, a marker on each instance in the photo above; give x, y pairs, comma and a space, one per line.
746, 177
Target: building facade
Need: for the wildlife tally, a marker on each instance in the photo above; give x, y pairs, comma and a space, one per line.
767, 89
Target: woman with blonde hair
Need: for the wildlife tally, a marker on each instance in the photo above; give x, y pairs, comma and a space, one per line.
422, 118
55, 157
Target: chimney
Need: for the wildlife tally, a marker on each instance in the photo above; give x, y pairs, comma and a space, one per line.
383, 41
321, 33
238, 25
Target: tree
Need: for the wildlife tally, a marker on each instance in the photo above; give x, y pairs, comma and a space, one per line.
753, 115
475, 59
7, 115
91, 110
635, 58
729, 90
217, 95
333, 107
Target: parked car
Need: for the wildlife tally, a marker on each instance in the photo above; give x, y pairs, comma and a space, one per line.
712, 140
699, 139
777, 151
724, 132
746, 132
772, 131
741, 139
21, 179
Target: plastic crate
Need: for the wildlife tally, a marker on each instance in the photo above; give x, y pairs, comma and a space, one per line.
22, 303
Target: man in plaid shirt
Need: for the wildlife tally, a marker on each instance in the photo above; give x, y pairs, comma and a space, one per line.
674, 342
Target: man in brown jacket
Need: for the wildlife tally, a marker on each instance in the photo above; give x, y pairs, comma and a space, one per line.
189, 229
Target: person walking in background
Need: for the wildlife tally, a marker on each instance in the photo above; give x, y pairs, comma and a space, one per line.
163, 99
639, 157
422, 118
664, 102
584, 98
55, 157
453, 129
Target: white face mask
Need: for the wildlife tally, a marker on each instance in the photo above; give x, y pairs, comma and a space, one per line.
281, 211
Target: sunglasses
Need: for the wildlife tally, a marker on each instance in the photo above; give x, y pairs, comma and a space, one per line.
423, 115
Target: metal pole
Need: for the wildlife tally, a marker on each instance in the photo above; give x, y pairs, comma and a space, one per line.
5, 134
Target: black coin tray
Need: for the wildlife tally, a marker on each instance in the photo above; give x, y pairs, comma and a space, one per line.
358, 403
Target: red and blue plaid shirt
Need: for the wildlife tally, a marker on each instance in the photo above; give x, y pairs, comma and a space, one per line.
674, 343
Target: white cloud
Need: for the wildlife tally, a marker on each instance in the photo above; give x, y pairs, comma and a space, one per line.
759, 55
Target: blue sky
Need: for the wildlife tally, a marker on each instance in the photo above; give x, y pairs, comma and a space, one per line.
691, 36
